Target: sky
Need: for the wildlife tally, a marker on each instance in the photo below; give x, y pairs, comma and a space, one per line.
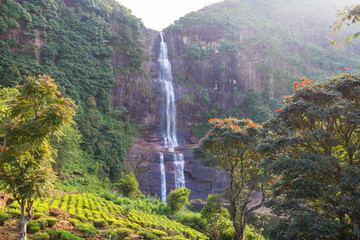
159, 14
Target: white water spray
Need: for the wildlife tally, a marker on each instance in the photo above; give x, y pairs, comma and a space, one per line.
169, 133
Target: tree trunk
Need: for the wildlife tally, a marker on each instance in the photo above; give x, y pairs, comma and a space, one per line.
24, 220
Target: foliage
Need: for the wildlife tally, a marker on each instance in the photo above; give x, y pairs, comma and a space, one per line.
25, 158
213, 207
41, 236
217, 219
62, 234
87, 229
6, 95
350, 15
191, 219
33, 227
230, 145
51, 221
129, 187
124, 232
315, 150
178, 199
127, 216
3, 218
77, 45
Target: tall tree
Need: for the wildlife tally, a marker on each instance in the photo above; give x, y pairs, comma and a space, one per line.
316, 150
25, 157
231, 145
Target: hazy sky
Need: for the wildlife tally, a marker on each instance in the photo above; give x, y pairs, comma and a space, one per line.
158, 14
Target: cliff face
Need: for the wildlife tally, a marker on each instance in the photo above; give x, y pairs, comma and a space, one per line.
217, 54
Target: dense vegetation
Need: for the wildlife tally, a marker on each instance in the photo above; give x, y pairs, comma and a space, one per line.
284, 40
74, 42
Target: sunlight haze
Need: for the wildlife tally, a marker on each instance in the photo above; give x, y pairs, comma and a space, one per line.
158, 14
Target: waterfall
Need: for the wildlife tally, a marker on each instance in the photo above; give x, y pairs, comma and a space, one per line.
163, 178
169, 131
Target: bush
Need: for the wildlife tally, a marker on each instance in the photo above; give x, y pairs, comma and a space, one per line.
129, 187
51, 222
33, 227
158, 232
99, 223
112, 235
147, 235
41, 236
178, 199
62, 235
74, 221
124, 232
87, 229
191, 219
3, 218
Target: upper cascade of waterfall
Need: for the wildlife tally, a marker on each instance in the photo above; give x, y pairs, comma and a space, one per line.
165, 76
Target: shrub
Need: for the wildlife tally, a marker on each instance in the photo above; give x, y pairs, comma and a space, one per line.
178, 199
41, 236
38, 215
3, 218
51, 221
33, 227
62, 235
87, 229
129, 187
112, 235
227, 233
124, 232
74, 221
99, 223
42, 224
147, 235
191, 219
158, 232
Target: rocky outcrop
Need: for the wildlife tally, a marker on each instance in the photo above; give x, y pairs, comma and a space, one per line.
143, 159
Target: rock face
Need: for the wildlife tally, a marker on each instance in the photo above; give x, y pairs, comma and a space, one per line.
144, 159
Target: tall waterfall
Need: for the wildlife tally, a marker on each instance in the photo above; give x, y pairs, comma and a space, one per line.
169, 131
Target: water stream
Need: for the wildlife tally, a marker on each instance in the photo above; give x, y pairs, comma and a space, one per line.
169, 118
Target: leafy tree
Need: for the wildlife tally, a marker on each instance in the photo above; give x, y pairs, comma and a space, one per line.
217, 217
25, 157
178, 199
315, 149
129, 187
350, 15
231, 145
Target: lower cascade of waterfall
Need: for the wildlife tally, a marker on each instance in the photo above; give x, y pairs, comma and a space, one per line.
163, 178
179, 170
169, 131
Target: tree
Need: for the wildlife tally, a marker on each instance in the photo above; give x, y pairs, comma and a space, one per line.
231, 145
129, 187
217, 218
350, 15
25, 157
315, 149
178, 199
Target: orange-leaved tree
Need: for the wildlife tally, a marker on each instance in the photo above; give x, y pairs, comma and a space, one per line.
37, 113
231, 145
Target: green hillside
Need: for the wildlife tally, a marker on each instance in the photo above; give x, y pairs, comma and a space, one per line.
291, 39
78, 40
